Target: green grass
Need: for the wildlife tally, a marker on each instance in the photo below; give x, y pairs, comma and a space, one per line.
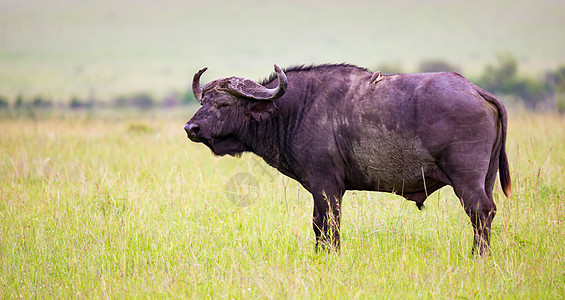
102, 49
96, 207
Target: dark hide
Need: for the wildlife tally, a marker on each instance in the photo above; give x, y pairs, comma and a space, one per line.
340, 127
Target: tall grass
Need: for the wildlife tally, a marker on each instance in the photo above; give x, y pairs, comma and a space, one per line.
128, 207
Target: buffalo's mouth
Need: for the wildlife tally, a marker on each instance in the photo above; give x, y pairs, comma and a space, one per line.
196, 139
220, 145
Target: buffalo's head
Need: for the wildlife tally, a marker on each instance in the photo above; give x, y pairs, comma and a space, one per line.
230, 107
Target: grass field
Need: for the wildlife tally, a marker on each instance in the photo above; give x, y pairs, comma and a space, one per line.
103, 48
120, 204
113, 206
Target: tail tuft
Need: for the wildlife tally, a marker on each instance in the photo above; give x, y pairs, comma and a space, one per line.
504, 171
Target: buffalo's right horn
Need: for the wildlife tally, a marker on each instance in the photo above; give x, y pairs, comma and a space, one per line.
196, 89
252, 90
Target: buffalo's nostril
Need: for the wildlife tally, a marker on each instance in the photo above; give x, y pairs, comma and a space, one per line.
191, 129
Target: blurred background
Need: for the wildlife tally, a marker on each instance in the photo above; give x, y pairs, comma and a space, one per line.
84, 53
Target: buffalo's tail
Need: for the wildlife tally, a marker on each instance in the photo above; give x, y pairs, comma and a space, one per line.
503, 169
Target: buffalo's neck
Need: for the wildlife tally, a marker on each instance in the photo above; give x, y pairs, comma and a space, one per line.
270, 140
264, 140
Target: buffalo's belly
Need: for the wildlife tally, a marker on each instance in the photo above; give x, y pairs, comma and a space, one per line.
389, 162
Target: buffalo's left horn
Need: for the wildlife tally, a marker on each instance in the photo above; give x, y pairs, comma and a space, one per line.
196, 89
281, 88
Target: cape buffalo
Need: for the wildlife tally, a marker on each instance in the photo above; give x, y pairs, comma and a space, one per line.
340, 127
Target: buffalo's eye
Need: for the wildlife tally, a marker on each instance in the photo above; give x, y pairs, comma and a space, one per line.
220, 105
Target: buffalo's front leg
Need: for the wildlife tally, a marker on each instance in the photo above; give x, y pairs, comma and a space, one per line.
326, 219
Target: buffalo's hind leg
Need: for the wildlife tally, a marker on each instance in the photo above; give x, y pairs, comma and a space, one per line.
467, 164
481, 210
468, 177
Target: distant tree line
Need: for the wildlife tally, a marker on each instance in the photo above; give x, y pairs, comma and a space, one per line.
501, 78
142, 101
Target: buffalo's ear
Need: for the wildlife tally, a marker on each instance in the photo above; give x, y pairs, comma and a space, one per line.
263, 110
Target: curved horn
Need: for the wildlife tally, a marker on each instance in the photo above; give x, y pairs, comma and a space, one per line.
196, 89
283, 83
250, 89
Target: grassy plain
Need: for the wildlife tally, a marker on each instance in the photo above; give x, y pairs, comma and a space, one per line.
113, 206
119, 204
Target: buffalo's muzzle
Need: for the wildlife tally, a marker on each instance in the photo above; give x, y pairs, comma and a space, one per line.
192, 131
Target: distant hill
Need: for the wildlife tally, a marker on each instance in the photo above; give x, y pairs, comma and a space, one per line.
65, 48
